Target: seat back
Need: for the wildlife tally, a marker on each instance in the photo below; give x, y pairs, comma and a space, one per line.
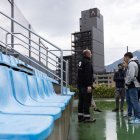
41, 89
20, 87
33, 89
13, 61
6, 92
0, 56
6, 59
49, 89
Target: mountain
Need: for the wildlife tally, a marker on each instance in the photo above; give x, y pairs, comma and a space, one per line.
111, 67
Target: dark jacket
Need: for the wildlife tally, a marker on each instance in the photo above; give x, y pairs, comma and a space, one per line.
119, 79
85, 73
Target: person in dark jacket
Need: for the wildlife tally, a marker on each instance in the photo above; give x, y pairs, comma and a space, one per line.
85, 83
119, 79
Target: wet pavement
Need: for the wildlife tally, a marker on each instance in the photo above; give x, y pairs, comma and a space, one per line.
109, 126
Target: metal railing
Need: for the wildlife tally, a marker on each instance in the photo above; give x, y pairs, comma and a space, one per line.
41, 45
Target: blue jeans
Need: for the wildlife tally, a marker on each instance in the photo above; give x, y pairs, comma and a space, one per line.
132, 101
129, 105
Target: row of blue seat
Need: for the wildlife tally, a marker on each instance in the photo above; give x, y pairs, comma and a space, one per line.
12, 61
31, 98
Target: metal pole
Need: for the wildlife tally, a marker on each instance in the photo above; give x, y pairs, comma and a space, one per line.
39, 50
29, 41
127, 48
12, 23
61, 72
66, 76
68, 70
47, 58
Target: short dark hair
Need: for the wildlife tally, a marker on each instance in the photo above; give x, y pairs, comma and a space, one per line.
129, 54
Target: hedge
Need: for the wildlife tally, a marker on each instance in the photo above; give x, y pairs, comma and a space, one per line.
100, 91
103, 91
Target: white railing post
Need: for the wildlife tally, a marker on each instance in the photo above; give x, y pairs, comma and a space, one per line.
29, 33
61, 72
67, 72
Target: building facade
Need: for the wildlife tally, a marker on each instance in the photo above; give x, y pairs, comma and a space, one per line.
104, 78
90, 36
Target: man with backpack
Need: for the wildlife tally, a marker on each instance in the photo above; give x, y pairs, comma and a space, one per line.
120, 87
132, 84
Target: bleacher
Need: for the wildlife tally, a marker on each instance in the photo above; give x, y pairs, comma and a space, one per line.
30, 109
30, 96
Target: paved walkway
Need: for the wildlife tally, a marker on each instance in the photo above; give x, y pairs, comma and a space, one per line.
109, 126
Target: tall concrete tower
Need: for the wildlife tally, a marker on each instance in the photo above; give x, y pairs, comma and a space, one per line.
91, 36
92, 20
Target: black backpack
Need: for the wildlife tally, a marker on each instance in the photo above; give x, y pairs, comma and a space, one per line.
138, 76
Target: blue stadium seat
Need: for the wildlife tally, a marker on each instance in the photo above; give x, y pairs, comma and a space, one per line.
8, 103
49, 90
0, 56
33, 96
66, 91
45, 95
14, 61
52, 91
5, 59
25, 127
52, 80
21, 62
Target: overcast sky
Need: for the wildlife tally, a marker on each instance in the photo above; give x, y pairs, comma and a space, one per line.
57, 19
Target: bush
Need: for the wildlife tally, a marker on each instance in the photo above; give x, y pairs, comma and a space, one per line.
103, 91
100, 91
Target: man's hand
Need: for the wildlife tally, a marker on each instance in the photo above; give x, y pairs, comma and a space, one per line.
89, 89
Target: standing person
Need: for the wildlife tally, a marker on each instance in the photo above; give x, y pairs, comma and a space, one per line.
85, 83
129, 105
132, 85
120, 87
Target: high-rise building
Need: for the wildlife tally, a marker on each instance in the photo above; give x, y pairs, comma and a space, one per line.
90, 36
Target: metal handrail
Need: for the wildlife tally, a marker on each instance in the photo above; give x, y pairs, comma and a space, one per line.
27, 48
30, 31
34, 53
35, 48
24, 46
61, 51
36, 63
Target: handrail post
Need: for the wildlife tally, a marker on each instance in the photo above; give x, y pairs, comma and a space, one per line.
29, 41
66, 76
12, 22
61, 72
6, 41
46, 58
39, 49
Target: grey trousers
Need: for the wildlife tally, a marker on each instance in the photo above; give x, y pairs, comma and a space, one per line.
120, 94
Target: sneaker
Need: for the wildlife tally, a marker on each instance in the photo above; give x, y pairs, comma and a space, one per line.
115, 110
130, 118
90, 120
97, 110
126, 116
135, 121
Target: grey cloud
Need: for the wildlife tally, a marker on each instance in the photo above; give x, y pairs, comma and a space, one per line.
59, 18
